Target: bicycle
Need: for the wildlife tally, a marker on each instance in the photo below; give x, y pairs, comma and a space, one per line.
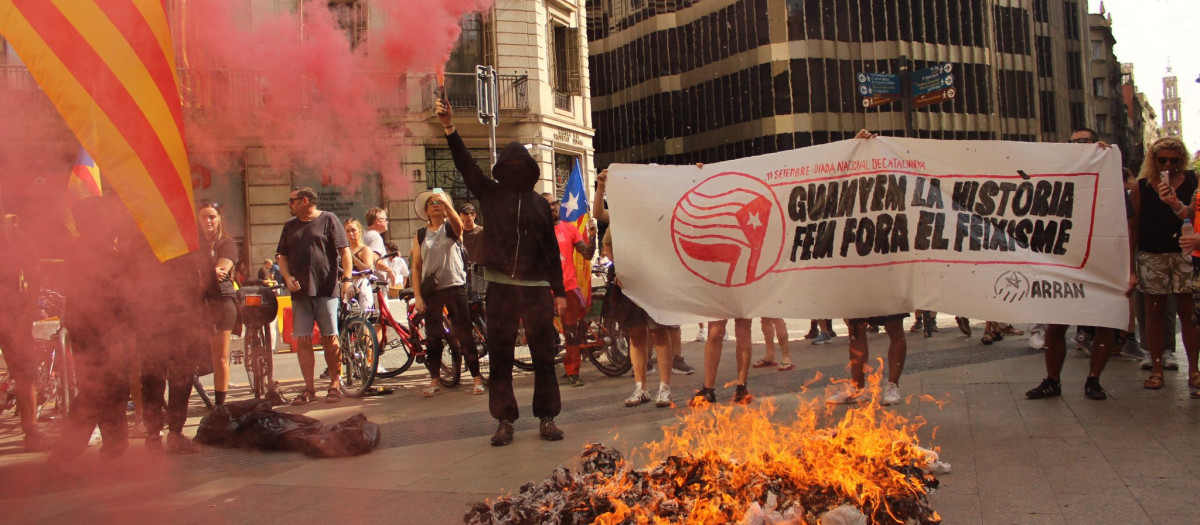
259, 306
55, 378
604, 341
360, 351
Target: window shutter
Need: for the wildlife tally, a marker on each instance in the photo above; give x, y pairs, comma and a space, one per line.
574, 66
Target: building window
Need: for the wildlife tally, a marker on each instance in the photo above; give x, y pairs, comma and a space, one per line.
1097, 50
1045, 57
351, 17
565, 67
1071, 22
1041, 11
1098, 87
440, 172
1078, 120
468, 52
1101, 123
1074, 70
1049, 113
563, 164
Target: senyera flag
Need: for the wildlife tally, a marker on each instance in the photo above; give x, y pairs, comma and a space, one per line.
574, 209
85, 176
109, 68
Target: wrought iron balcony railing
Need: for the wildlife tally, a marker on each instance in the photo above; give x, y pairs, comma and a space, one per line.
460, 90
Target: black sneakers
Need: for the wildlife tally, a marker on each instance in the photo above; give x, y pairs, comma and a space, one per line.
1048, 388
1093, 390
741, 396
704, 395
504, 434
548, 430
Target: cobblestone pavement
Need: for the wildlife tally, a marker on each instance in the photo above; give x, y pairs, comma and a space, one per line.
1129, 459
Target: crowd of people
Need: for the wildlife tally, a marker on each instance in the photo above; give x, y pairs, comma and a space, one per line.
525, 261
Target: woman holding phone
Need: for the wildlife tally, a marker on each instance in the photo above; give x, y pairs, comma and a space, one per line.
1159, 209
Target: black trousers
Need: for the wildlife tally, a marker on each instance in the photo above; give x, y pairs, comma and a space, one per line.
454, 300
507, 306
163, 374
102, 372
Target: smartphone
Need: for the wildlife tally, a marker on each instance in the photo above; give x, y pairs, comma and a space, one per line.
1166, 177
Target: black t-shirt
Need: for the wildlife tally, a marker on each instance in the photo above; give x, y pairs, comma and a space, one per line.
312, 250
224, 248
1158, 226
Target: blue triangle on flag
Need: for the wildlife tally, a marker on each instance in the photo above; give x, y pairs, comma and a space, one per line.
574, 202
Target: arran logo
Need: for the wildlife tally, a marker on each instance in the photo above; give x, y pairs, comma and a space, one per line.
728, 230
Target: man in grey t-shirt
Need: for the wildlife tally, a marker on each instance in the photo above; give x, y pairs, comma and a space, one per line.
377, 223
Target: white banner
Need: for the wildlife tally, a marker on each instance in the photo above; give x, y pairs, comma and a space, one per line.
1004, 231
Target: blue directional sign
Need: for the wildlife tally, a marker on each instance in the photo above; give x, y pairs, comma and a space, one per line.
878, 84
933, 85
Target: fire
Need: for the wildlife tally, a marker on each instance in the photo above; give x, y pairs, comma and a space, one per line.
723, 463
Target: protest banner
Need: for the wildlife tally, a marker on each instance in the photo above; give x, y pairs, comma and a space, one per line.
1004, 231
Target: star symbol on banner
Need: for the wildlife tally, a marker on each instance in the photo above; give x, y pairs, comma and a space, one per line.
754, 221
571, 204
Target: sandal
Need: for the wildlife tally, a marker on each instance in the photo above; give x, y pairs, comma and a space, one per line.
305, 397
784, 367
1008, 329
986, 339
431, 391
765, 363
1154, 382
479, 390
333, 395
1194, 380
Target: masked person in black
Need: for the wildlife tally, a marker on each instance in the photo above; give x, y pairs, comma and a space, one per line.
521, 261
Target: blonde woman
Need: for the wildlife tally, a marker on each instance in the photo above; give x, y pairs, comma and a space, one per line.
363, 258
1161, 201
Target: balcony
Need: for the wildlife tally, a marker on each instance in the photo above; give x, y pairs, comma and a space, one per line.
16, 78
460, 90
204, 89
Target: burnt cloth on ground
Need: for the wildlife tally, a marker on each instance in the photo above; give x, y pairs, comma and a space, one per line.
252, 424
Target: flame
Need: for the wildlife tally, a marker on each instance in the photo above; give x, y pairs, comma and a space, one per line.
855, 458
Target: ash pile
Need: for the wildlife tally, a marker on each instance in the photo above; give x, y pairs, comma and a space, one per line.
712, 488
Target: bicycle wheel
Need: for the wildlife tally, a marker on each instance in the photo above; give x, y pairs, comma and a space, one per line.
250, 360
522, 356
452, 362
479, 333
397, 356
201, 393
612, 358
358, 357
46, 384
65, 371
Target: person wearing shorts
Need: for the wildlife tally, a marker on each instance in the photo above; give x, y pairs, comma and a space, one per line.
642, 328
893, 325
1163, 186
310, 247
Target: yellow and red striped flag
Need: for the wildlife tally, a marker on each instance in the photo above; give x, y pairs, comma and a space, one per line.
109, 68
574, 209
85, 176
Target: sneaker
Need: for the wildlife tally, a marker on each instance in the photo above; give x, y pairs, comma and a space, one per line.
1131, 350
679, 366
823, 338
650, 362
549, 431
663, 398
1048, 388
1169, 362
574, 380
742, 396
843, 395
638, 397
503, 435
813, 330
154, 442
702, 335
178, 444
891, 393
1147, 363
704, 396
917, 326
325, 373
1093, 390
964, 325
1083, 342
36, 441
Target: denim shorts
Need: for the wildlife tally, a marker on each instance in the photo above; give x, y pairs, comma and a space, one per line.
306, 309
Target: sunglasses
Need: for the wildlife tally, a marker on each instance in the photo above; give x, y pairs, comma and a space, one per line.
1169, 160
1082, 141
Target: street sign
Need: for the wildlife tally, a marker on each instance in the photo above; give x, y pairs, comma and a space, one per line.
878, 88
933, 85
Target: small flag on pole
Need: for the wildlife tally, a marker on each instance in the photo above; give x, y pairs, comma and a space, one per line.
85, 176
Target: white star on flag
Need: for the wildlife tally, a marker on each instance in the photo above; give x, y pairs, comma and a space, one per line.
571, 204
753, 221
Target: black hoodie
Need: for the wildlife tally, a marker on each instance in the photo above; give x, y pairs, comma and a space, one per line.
518, 240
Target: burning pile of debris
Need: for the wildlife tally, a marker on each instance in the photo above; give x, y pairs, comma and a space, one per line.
724, 464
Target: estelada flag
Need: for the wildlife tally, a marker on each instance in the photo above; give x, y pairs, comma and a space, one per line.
85, 176
109, 68
573, 208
